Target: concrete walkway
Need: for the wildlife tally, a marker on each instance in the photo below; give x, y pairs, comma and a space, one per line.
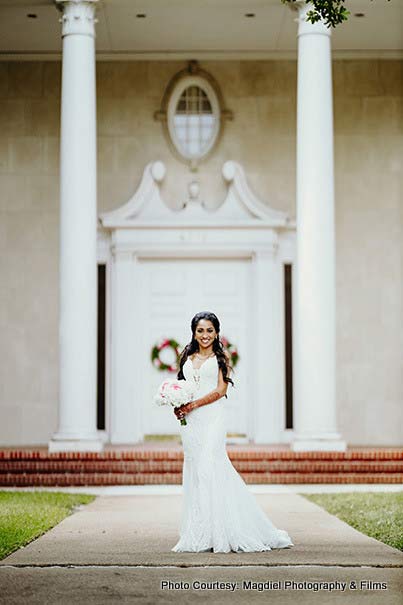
117, 550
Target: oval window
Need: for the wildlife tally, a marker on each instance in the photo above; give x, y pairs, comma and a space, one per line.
193, 117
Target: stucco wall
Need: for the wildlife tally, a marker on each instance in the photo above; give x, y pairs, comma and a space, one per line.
262, 95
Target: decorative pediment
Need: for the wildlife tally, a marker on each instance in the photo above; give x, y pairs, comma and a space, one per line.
240, 207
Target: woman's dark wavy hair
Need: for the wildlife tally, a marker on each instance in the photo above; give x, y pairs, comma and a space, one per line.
193, 347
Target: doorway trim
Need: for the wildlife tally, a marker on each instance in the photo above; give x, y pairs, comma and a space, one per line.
242, 226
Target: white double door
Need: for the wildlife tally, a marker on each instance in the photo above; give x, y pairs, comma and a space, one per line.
171, 292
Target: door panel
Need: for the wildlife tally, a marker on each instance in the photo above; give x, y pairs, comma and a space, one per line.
172, 291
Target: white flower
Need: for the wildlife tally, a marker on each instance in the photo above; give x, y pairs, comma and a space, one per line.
174, 392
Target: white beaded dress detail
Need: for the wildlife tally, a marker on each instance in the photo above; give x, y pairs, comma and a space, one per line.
218, 510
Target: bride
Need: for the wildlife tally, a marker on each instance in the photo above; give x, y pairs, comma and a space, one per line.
219, 512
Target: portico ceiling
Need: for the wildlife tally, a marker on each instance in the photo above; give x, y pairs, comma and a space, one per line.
198, 29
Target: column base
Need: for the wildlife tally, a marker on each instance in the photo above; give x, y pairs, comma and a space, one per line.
64, 443
331, 442
126, 438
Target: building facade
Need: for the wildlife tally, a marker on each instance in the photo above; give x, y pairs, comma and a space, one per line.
110, 242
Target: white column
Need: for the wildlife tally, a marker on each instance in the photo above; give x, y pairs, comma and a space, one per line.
267, 402
314, 345
126, 378
78, 228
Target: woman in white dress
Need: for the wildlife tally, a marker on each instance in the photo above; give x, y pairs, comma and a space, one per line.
219, 512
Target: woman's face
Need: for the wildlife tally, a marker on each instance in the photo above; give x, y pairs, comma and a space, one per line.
205, 333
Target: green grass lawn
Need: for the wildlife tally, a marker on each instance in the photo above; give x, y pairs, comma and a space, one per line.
25, 516
376, 514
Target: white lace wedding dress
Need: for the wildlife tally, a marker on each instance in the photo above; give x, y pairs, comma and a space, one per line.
218, 510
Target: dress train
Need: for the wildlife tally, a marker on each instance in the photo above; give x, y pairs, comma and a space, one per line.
219, 512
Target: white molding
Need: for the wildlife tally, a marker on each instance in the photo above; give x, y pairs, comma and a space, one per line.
289, 55
78, 17
242, 226
175, 95
104, 256
103, 246
148, 193
241, 194
241, 208
306, 28
62, 443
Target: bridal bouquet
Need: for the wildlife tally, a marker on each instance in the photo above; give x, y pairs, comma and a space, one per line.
175, 393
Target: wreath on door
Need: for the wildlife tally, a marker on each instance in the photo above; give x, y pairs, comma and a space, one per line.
165, 354
232, 350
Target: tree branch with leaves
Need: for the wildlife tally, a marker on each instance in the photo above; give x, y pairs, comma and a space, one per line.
332, 12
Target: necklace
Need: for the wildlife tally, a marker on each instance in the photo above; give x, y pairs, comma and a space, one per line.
204, 356
196, 371
196, 377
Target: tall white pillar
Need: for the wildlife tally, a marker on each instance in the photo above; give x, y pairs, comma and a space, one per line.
78, 227
314, 345
267, 299
126, 377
